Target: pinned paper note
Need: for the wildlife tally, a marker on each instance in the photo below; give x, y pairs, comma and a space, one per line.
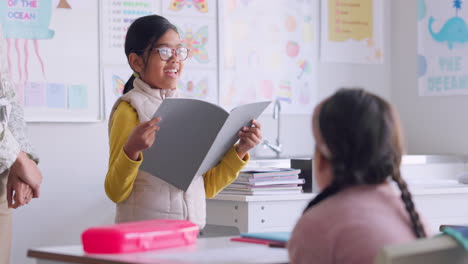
34, 94
56, 95
352, 31
350, 20
78, 97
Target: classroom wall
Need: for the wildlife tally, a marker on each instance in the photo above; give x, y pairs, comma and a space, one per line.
432, 125
74, 160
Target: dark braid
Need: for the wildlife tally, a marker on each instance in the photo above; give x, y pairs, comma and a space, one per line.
338, 184
326, 193
418, 228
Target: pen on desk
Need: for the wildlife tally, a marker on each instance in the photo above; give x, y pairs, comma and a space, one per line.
277, 245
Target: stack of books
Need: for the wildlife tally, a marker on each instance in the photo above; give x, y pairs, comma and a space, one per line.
266, 181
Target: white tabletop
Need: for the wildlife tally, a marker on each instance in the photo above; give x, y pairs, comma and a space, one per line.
206, 250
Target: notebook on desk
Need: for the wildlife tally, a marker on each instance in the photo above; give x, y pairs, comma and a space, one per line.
272, 236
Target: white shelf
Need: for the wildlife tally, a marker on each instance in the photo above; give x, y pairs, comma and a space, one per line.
258, 198
438, 190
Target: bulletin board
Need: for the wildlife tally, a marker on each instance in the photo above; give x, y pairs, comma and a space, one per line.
53, 58
196, 23
67, 59
269, 51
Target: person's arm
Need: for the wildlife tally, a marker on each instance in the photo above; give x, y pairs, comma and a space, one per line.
9, 148
12, 124
17, 126
24, 178
224, 173
122, 169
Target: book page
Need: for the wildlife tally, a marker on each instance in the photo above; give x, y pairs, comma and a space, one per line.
239, 117
188, 129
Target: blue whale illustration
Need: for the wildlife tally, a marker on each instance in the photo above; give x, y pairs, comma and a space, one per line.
453, 31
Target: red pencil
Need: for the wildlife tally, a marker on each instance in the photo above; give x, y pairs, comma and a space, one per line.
251, 240
270, 243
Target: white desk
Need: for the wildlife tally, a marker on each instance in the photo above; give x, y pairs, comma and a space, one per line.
206, 250
265, 213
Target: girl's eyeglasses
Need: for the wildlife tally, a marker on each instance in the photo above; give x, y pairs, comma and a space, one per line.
165, 53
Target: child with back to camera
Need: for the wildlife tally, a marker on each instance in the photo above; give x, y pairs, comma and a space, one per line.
156, 55
358, 150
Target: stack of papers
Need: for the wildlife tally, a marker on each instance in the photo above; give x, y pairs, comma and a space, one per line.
266, 181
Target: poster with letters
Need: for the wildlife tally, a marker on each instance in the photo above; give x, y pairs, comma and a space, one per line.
442, 47
352, 31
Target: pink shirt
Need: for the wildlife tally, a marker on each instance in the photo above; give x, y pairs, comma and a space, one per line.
351, 227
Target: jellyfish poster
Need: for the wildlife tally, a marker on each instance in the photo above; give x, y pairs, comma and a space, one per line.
352, 31
52, 56
442, 47
269, 51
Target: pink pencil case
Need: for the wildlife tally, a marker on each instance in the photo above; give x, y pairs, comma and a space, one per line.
139, 236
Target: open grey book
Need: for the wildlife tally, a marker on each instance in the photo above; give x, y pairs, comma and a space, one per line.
193, 138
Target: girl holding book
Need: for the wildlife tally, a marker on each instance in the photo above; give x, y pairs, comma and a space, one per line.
156, 55
358, 152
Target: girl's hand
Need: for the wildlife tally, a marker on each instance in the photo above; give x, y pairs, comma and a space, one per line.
141, 138
249, 138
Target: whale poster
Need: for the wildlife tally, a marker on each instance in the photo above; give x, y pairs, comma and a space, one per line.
442, 47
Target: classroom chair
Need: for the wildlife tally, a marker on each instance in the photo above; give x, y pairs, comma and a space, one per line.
440, 249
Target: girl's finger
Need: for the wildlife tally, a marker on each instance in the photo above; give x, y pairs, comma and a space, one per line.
154, 121
255, 130
256, 124
150, 131
250, 134
254, 138
248, 141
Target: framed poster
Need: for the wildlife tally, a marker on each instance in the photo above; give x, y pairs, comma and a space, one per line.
53, 58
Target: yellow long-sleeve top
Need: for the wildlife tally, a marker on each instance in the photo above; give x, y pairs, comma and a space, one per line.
122, 170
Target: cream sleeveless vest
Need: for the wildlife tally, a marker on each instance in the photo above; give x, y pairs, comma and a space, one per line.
151, 197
